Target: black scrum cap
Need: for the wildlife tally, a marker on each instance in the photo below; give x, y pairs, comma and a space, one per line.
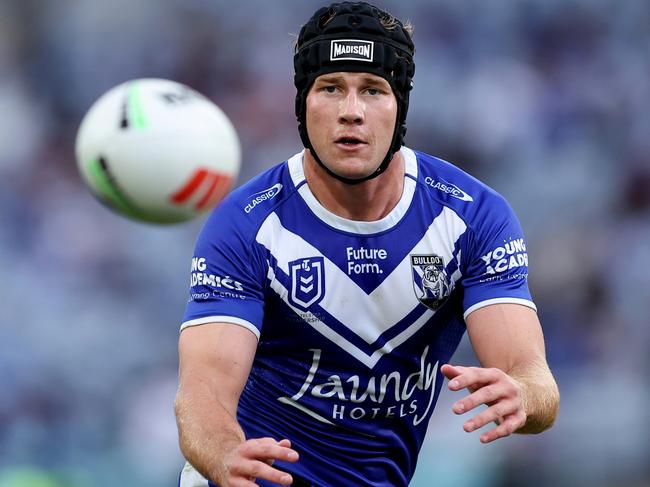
350, 36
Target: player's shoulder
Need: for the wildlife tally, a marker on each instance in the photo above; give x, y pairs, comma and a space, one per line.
246, 207
451, 186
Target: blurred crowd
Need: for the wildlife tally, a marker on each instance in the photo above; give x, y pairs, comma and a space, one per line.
548, 101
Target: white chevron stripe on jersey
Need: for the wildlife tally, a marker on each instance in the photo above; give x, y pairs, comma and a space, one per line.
366, 315
369, 360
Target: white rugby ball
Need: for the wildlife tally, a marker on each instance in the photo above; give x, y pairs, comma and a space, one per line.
157, 151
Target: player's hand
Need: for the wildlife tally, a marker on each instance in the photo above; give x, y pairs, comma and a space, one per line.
253, 459
493, 387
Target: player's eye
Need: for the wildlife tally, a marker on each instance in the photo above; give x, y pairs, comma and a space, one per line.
329, 89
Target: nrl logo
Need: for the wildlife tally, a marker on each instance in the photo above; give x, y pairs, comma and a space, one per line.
307, 282
430, 280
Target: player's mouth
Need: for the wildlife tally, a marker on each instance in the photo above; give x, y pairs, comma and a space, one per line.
350, 143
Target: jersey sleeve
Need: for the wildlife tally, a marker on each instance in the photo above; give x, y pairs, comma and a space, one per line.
227, 275
497, 261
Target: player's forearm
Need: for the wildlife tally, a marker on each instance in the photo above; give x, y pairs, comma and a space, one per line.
540, 395
207, 431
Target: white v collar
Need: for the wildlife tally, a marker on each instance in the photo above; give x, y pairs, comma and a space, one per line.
297, 172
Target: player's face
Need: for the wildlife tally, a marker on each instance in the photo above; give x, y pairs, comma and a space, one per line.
350, 121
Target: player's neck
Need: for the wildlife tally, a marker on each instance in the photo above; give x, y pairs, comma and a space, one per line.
368, 201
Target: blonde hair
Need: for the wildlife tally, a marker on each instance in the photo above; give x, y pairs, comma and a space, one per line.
391, 23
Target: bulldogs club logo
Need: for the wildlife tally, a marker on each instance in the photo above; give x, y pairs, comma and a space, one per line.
307, 282
430, 280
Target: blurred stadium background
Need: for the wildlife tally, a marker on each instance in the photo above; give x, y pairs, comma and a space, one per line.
548, 101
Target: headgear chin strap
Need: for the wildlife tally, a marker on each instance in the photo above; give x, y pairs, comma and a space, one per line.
350, 36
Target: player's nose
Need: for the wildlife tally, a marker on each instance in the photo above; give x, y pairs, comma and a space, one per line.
351, 109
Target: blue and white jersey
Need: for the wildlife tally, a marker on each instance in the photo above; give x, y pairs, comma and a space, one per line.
353, 318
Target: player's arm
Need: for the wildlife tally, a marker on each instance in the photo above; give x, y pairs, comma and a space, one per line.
514, 379
215, 360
